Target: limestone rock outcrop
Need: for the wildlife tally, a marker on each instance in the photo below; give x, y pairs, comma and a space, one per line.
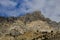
32, 26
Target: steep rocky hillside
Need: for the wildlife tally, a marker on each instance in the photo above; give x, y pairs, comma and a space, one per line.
32, 26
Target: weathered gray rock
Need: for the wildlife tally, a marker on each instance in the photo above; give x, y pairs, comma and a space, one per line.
14, 32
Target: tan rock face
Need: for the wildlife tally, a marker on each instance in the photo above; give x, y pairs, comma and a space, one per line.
28, 27
39, 25
7, 38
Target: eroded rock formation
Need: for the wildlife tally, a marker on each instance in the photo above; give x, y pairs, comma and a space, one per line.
33, 26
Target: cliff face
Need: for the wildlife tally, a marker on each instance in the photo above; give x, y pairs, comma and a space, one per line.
26, 27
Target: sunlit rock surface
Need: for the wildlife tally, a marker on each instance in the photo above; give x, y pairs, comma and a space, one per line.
33, 26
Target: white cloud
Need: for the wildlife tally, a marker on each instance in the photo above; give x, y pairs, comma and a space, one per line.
7, 3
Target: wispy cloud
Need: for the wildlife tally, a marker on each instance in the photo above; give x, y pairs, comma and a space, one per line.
50, 8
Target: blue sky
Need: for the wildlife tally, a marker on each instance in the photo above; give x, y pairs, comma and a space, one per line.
49, 8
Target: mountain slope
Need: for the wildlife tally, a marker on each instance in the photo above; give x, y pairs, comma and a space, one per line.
28, 27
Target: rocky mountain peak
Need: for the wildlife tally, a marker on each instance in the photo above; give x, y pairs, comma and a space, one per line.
28, 27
